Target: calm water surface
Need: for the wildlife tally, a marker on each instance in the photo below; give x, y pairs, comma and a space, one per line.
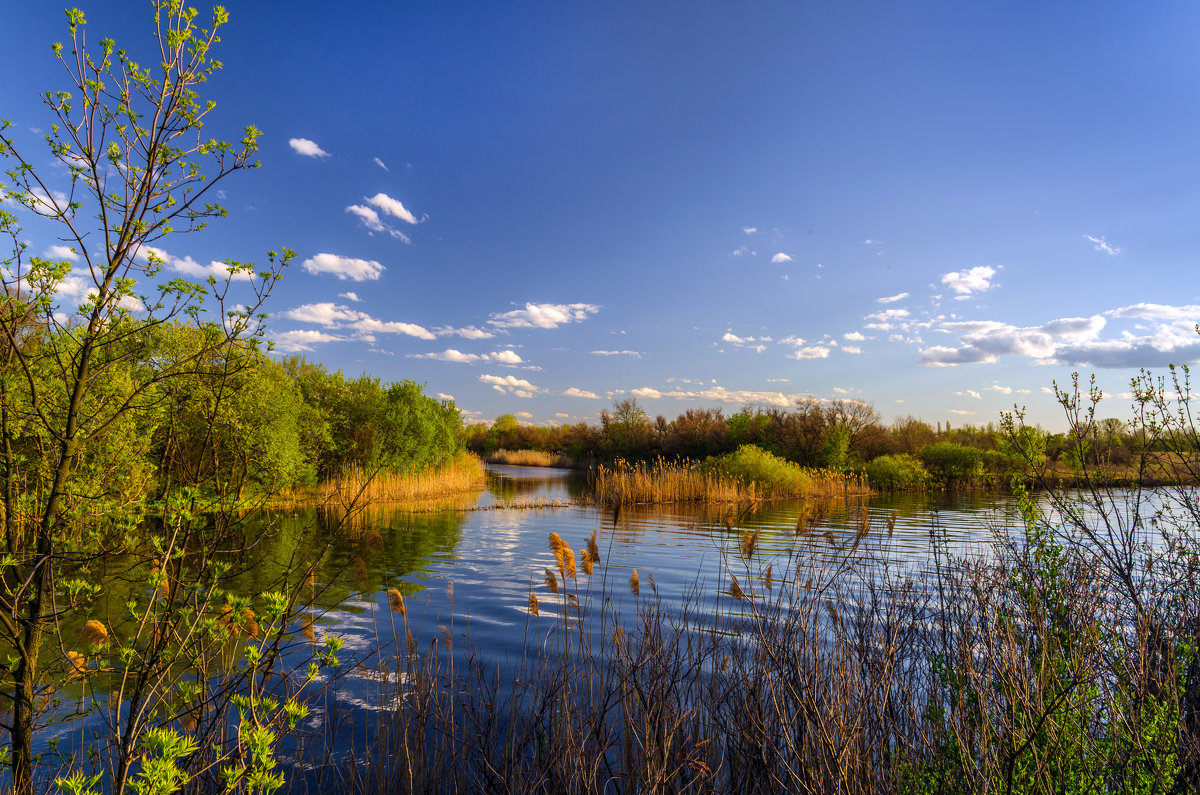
467, 572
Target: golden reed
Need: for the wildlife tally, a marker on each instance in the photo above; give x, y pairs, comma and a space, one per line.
662, 481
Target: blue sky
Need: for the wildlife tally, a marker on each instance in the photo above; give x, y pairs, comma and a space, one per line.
538, 208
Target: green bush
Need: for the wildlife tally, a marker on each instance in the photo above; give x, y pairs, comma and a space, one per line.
749, 464
896, 472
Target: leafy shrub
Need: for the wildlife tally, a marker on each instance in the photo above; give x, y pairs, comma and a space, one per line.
749, 463
895, 472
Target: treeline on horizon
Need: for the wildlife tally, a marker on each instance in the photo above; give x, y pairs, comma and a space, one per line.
841, 435
237, 423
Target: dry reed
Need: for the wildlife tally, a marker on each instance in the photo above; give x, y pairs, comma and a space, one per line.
662, 481
528, 458
355, 485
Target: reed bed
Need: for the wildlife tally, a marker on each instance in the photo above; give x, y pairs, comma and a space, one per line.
528, 458
1036, 672
663, 481
355, 485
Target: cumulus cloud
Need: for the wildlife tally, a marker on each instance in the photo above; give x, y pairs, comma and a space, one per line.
468, 333
719, 394
961, 412
635, 354
365, 326
393, 207
749, 229
647, 393
452, 355
189, 267
966, 283
1100, 244
888, 315
580, 393
60, 253
303, 146
373, 223
1190, 313
380, 163
510, 385
854, 336
301, 340
810, 352
350, 296
543, 315
891, 299
985, 341
358, 270
753, 343
781, 257
852, 349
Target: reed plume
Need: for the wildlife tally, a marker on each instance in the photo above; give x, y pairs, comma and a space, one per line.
735, 590
551, 582
94, 632
396, 601
635, 584
533, 603
77, 664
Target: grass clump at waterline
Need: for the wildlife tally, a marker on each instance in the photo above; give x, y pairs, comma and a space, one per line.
528, 458
745, 475
462, 475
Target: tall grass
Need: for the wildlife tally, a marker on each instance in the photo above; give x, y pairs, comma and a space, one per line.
528, 458
739, 477
464, 474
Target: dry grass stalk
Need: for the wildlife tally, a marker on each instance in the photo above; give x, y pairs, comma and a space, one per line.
735, 590
533, 603
551, 582
396, 601
749, 541
585, 562
635, 584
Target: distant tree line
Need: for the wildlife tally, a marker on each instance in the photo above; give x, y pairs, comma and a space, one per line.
834, 434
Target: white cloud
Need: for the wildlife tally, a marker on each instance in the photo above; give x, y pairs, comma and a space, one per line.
971, 393
580, 393
976, 280
852, 349
888, 315
1144, 311
373, 223
382, 165
985, 341
189, 267
742, 251
449, 355
506, 357
303, 340
350, 296
392, 207
303, 146
343, 267
635, 354
749, 229
961, 412
1100, 244
781, 257
510, 384
870, 242
323, 314
854, 336
810, 352
543, 315
647, 393
891, 299
468, 333
337, 316
1003, 390
60, 253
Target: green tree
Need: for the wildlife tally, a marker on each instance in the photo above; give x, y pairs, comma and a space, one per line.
130, 141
